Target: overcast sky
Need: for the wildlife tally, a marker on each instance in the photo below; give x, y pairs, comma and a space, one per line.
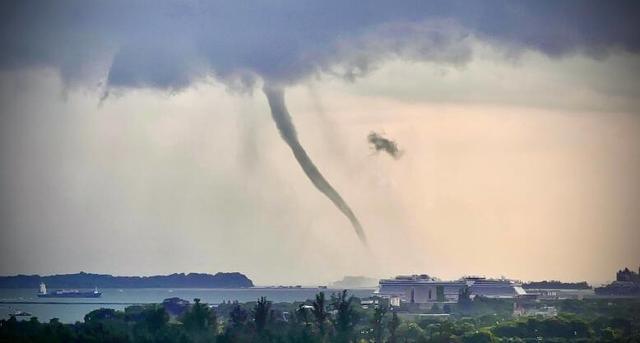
136, 139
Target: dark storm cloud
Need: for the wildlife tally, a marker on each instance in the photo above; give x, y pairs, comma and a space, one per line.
169, 44
380, 143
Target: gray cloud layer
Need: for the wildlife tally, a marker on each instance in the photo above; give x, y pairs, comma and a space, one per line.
169, 44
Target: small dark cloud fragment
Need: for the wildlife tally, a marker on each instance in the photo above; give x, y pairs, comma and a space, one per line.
380, 143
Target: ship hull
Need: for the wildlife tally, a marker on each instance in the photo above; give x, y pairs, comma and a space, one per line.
71, 295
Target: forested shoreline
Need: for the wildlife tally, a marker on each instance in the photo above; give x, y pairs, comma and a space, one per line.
338, 318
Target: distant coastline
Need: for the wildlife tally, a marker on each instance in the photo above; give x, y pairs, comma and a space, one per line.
349, 282
554, 284
89, 280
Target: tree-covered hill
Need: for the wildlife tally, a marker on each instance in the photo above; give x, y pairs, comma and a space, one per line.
88, 280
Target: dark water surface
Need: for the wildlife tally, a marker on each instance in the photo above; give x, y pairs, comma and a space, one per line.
69, 310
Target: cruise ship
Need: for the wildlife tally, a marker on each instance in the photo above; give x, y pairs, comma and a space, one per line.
494, 288
67, 293
422, 289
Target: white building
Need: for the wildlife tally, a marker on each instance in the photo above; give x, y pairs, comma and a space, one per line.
422, 289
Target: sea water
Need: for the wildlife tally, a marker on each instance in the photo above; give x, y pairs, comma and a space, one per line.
70, 310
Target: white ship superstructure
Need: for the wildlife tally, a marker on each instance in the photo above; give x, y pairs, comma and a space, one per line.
494, 288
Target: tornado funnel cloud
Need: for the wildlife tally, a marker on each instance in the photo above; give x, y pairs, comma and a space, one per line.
282, 118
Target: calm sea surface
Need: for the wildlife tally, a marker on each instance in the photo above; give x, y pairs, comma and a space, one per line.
69, 310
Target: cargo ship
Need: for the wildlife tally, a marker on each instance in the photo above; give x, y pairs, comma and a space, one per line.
67, 293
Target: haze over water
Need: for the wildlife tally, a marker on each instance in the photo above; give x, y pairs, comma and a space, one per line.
70, 310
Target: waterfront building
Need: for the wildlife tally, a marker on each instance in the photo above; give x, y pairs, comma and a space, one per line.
423, 289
